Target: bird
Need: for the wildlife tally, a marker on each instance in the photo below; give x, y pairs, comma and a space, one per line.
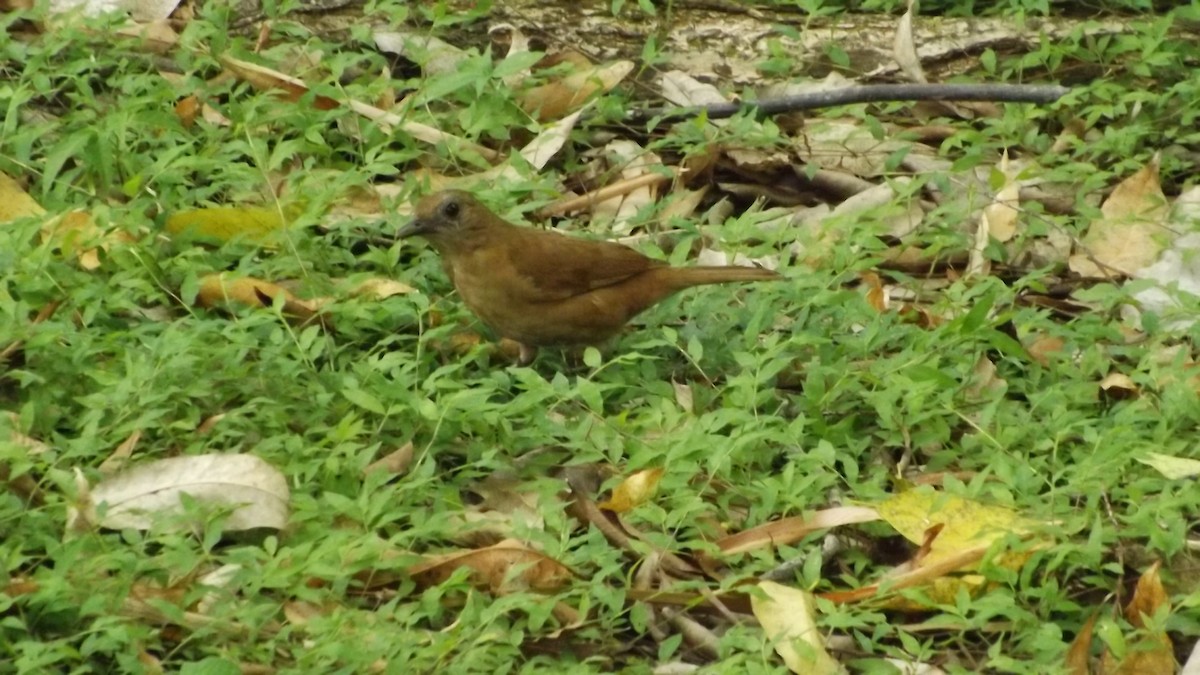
543, 288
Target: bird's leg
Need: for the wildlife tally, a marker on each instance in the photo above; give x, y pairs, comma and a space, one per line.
528, 354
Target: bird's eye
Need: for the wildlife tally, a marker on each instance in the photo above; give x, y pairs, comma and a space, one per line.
450, 209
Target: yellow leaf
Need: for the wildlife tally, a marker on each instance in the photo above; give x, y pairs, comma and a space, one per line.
787, 617
75, 230
220, 224
15, 202
633, 491
220, 289
966, 523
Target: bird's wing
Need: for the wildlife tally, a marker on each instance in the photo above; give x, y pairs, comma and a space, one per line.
557, 267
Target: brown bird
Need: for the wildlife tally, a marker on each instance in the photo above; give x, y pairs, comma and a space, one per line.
542, 288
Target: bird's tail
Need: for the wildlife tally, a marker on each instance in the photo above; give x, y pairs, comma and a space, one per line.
685, 277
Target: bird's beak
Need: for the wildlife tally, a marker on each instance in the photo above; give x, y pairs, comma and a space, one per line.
415, 227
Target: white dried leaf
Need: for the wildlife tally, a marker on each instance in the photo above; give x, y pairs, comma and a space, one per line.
255, 492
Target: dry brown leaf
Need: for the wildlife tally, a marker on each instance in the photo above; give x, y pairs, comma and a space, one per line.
396, 462
555, 99
876, 293
186, 110
503, 568
267, 79
1154, 654
157, 36
1081, 646
1043, 347
121, 455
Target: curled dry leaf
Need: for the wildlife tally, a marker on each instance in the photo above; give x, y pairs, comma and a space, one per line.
1042, 347
1118, 386
267, 79
217, 290
435, 56
904, 50
121, 455
254, 492
683, 396
790, 530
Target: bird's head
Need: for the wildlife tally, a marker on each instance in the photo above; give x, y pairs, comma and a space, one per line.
447, 217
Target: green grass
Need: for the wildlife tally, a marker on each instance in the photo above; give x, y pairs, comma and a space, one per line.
804, 395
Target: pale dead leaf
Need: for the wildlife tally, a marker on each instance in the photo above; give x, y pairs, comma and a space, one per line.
904, 50
1130, 233
157, 36
788, 619
434, 55
683, 396
1175, 468
15, 202
617, 214
978, 265
76, 233
1002, 213
255, 492
380, 288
